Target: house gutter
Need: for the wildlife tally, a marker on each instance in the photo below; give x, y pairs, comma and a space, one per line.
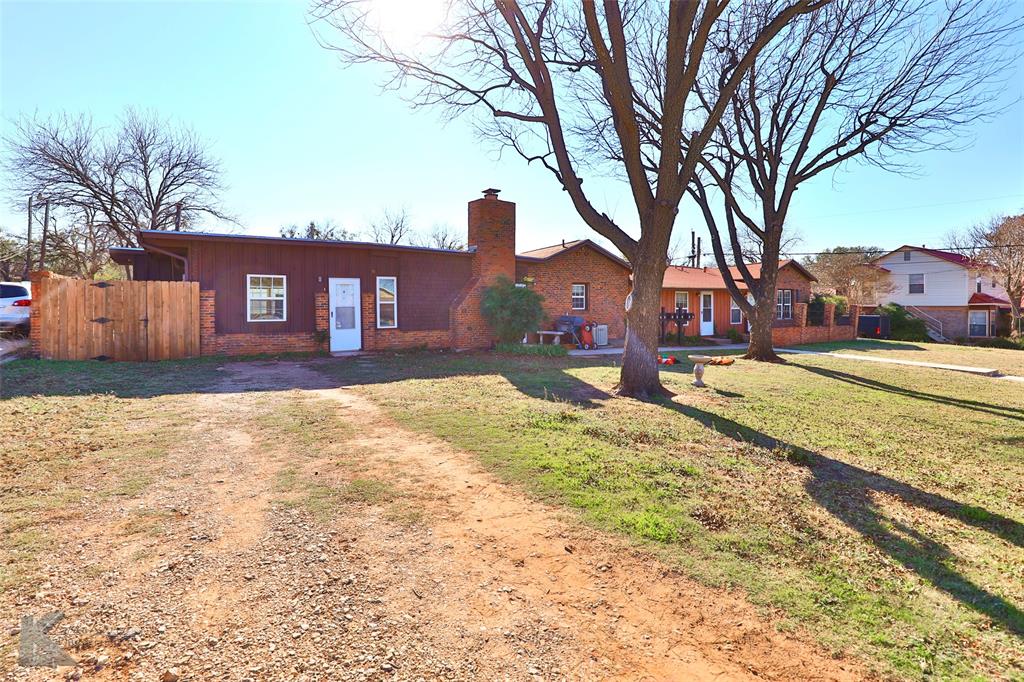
165, 252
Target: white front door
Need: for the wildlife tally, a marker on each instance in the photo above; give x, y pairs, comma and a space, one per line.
346, 328
707, 314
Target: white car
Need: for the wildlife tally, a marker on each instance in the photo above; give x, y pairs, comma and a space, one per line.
15, 304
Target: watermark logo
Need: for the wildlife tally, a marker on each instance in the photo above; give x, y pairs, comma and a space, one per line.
35, 649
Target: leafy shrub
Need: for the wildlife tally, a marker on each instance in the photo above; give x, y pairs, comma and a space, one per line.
511, 311
734, 335
902, 325
816, 308
549, 350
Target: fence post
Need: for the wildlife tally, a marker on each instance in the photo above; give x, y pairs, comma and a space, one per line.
35, 333
207, 322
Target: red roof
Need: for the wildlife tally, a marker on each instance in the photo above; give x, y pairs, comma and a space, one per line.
547, 252
958, 258
986, 299
682, 277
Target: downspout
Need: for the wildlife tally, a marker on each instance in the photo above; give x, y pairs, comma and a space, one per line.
165, 252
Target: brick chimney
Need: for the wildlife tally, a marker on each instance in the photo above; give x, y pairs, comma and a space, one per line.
492, 236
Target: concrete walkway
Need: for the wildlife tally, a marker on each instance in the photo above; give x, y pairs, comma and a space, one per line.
979, 371
617, 350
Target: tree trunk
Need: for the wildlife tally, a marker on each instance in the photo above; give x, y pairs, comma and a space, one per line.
639, 377
761, 342
1015, 314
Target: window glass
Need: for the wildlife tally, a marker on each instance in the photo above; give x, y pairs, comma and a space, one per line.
784, 304
683, 300
579, 296
266, 298
916, 284
387, 302
978, 323
12, 291
906, 255
735, 314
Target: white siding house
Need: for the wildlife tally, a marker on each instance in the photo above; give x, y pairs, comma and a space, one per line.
947, 290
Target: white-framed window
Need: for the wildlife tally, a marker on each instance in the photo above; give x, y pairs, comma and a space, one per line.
915, 284
977, 321
977, 286
735, 314
266, 298
579, 296
682, 300
906, 255
784, 304
387, 302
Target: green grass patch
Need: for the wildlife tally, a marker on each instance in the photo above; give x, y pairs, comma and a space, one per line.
880, 508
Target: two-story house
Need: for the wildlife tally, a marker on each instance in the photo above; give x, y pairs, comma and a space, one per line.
955, 296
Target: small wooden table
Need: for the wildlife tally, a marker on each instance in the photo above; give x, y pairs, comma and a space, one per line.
556, 337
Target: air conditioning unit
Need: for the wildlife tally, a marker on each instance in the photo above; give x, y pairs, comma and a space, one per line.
601, 334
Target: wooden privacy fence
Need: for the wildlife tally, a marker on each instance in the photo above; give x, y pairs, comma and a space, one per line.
117, 320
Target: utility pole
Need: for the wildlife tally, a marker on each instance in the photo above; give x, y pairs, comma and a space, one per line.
46, 225
28, 242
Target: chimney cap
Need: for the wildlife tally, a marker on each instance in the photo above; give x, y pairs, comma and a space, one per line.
491, 193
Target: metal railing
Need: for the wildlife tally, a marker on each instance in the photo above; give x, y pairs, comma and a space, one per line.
930, 321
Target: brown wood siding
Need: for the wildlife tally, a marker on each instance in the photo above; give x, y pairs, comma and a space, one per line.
427, 281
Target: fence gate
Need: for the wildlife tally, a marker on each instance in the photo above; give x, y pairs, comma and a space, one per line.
117, 320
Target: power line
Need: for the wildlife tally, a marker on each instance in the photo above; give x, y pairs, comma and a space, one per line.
910, 208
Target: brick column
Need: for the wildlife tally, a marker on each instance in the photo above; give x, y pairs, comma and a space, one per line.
830, 314
800, 314
35, 333
322, 316
208, 322
855, 318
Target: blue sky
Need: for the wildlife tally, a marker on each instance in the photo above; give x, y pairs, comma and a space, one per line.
301, 137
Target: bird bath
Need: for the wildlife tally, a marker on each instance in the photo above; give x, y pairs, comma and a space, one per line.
698, 368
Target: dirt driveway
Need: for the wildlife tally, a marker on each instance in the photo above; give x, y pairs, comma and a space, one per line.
394, 557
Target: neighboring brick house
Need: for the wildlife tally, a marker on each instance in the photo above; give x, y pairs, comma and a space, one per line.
702, 291
579, 278
271, 294
954, 296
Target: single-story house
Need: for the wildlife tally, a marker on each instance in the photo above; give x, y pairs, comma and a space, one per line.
271, 294
702, 291
954, 295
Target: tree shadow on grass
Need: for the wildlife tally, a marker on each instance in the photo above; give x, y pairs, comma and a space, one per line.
976, 405
849, 494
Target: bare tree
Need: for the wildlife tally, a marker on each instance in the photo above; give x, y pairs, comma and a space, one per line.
872, 80
324, 230
848, 270
132, 178
392, 227
441, 236
999, 246
547, 79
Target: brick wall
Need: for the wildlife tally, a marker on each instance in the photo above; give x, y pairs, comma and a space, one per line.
799, 333
953, 318
791, 278
212, 343
396, 339
607, 287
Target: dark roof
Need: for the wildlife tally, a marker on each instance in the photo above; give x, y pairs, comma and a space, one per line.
548, 252
214, 236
